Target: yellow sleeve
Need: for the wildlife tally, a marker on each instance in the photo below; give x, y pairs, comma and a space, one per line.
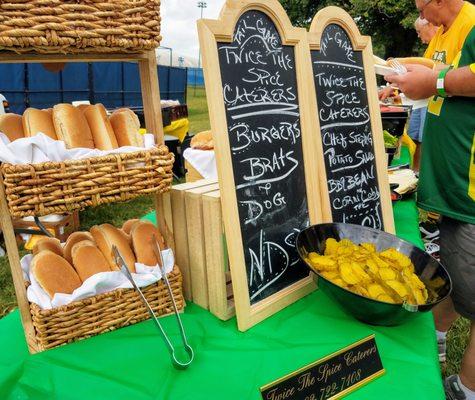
472, 67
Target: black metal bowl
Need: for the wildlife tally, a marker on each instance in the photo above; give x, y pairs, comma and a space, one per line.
374, 312
391, 152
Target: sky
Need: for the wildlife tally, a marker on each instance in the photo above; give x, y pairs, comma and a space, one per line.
179, 24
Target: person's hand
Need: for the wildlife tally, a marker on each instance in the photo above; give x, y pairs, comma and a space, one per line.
418, 83
388, 91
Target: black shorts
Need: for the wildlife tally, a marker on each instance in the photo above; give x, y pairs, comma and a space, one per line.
457, 255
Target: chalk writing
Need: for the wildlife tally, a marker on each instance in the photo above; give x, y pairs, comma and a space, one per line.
262, 111
345, 124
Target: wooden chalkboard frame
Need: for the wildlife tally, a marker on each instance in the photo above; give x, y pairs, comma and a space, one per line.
335, 15
210, 33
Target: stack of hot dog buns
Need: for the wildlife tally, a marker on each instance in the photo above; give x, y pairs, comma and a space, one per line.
427, 62
60, 269
86, 126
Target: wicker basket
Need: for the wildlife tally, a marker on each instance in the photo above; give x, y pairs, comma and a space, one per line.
103, 313
79, 26
60, 187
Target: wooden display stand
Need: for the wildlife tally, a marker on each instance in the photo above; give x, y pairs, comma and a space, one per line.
153, 121
176, 199
201, 250
196, 244
220, 289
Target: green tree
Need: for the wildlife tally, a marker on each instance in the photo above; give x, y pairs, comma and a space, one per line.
388, 22
301, 12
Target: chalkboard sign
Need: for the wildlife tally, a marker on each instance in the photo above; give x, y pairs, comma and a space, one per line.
262, 112
331, 377
348, 111
260, 153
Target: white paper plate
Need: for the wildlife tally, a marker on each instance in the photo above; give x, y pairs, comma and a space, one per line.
384, 70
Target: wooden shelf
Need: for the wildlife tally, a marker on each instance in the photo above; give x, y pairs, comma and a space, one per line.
153, 123
8, 57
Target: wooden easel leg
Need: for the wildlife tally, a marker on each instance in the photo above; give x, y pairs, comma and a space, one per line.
15, 267
151, 96
154, 124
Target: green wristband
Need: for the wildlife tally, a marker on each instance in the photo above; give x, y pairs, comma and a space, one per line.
440, 85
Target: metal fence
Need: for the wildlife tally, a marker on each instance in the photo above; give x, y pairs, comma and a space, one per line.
114, 84
195, 77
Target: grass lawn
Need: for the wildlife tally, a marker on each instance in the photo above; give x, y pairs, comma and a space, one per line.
197, 109
118, 213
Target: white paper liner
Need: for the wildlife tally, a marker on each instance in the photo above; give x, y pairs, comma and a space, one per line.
204, 161
41, 148
47, 218
102, 282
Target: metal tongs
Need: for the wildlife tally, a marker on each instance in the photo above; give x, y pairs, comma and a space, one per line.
123, 267
398, 167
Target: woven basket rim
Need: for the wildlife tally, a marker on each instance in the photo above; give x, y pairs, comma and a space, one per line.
159, 149
89, 300
54, 187
108, 21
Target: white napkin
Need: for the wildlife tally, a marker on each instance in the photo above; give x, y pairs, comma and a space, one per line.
41, 148
169, 103
102, 282
405, 178
47, 218
204, 161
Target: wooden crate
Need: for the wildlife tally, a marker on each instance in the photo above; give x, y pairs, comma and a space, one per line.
61, 229
192, 175
220, 290
176, 199
196, 244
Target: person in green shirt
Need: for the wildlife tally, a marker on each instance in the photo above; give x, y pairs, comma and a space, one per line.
447, 187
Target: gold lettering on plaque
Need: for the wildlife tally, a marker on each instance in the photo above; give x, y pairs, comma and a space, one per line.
306, 380
275, 394
326, 371
353, 359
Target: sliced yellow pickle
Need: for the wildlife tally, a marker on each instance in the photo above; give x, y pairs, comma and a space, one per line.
385, 276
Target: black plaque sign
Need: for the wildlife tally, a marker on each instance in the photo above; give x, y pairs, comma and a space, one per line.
262, 111
345, 126
331, 377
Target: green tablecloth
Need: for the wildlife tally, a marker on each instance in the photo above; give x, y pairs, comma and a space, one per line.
132, 363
